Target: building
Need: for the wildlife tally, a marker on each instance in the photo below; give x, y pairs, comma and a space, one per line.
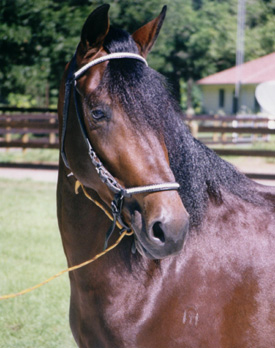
218, 90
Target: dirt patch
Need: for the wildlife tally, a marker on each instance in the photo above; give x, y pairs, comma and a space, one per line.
255, 165
31, 174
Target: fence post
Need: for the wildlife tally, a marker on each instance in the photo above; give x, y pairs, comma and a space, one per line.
52, 136
224, 137
215, 136
194, 128
8, 135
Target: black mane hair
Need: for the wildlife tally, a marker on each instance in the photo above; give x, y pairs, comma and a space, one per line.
145, 96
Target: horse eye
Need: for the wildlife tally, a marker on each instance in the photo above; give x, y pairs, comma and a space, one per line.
97, 114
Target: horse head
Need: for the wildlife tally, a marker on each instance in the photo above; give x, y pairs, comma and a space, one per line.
122, 105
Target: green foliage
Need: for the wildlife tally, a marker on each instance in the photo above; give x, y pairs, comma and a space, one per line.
21, 100
195, 95
198, 38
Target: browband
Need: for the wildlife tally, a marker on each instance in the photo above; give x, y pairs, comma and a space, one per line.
117, 55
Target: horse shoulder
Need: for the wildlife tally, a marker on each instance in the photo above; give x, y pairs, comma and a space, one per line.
226, 272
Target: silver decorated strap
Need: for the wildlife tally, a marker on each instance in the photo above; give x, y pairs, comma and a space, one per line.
117, 55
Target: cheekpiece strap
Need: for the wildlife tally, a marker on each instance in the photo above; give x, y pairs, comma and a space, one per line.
68, 87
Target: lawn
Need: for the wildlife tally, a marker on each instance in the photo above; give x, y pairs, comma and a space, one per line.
29, 155
31, 251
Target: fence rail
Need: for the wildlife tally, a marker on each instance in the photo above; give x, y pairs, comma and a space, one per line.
28, 128
232, 130
38, 128
237, 130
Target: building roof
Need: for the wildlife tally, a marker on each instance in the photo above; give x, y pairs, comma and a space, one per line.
256, 71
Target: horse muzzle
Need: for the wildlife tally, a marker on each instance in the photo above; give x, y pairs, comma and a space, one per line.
161, 226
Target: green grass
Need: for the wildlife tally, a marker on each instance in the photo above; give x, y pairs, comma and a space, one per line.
30, 252
29, 155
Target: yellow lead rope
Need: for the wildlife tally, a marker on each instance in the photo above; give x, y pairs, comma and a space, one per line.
77, 185
125, 233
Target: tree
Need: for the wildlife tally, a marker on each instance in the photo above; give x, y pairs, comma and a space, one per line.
37, 39
198, 38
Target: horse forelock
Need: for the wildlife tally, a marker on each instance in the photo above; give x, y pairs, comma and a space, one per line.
141, 91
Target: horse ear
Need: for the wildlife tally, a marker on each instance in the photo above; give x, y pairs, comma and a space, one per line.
95, 29
146, 36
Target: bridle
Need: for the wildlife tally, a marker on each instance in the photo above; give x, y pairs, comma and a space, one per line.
105, 176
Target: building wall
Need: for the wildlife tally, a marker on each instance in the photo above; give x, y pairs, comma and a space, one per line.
211, 98
248, 98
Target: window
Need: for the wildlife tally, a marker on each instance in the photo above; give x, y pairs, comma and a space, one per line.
221, 98
235, 103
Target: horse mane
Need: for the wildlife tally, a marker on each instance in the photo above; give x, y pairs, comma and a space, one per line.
146, 96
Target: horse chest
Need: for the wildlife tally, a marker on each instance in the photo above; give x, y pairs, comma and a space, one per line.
211, 299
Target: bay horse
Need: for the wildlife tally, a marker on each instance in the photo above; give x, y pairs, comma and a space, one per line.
198, 270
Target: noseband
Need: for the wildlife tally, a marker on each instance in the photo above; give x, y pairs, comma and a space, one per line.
105, 176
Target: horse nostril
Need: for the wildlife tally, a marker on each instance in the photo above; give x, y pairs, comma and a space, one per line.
158, 232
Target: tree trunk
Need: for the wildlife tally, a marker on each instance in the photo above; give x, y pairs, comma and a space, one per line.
189, 93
